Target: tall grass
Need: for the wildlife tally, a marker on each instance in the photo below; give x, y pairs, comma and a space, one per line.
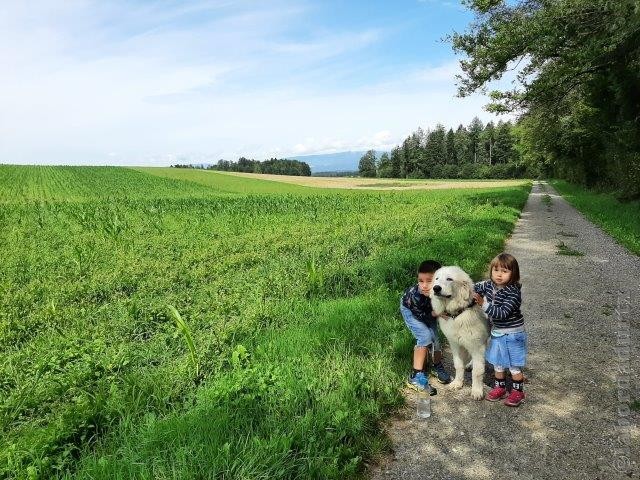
185, 331
97, 374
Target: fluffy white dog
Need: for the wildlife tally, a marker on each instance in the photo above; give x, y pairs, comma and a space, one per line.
465, 327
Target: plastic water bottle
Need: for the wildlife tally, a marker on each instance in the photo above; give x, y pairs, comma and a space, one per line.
424, 404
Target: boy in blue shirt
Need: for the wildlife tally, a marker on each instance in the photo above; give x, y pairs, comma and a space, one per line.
415, 307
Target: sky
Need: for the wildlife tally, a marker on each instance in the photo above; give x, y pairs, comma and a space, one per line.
161, 82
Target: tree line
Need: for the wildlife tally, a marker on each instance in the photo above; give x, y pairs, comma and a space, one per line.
577, 90
473, 151
276, 166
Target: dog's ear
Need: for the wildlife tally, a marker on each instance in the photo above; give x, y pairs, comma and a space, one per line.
466, 290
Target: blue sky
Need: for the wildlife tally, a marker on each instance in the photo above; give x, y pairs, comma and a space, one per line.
153, 83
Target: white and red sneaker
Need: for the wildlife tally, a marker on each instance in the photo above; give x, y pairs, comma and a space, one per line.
496, 393
515, 398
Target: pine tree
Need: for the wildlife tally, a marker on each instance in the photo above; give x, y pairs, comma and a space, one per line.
475, 130
367, 165
452, 154
487, 140
439, 144
385, 167
414, 154
397, 163
505, 143
463, 145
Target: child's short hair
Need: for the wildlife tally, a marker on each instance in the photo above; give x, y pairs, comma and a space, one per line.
429, 266
509, 262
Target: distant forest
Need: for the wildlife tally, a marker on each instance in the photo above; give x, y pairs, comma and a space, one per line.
276, 166
475, 151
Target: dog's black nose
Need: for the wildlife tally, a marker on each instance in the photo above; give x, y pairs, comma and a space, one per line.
437, 288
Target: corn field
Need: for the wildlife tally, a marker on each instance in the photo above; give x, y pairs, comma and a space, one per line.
163, 324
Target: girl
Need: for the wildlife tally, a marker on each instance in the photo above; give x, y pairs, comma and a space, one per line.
500, 298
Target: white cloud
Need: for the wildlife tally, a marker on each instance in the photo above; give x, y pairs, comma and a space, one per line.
445, 72
93, 82
382, 140
329, 46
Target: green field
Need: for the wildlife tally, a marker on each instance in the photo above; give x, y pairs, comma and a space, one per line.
226, 183
292, 348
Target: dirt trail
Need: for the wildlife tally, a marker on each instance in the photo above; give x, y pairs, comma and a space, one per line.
581, 312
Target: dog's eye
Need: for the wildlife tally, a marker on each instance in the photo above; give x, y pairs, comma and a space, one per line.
449, 280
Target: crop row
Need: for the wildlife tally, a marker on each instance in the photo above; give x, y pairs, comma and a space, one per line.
246, 322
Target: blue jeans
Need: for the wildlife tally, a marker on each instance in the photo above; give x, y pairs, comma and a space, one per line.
423, 334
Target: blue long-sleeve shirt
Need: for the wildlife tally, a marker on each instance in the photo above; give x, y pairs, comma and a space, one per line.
502, 305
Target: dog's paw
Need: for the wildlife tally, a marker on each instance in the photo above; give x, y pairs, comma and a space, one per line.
477, 393
455, 385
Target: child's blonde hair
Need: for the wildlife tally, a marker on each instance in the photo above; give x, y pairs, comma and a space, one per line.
508, 261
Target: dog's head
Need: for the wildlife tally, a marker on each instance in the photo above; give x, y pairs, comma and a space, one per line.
452, 286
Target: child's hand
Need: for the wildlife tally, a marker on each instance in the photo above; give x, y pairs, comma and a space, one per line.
478, 298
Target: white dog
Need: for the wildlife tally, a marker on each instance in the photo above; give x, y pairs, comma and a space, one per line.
465, 327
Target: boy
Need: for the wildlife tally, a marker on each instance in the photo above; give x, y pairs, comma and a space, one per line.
415, 307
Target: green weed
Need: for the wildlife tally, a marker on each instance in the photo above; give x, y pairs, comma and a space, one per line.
183, 328
315, 277
566, 250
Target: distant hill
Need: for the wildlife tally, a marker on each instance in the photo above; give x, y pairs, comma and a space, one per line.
333, 162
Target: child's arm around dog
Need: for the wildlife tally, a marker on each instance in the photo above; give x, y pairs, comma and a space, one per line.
500, 311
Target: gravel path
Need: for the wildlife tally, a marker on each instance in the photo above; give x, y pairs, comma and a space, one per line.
576, 422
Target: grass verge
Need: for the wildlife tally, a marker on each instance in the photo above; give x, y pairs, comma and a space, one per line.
619, 219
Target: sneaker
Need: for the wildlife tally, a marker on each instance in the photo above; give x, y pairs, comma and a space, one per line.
420, 382
441, 374
496, 393
514, 399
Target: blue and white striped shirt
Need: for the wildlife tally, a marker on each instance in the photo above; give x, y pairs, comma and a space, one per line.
502, 305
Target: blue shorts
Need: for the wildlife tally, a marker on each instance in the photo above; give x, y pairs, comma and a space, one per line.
508, 350
423, 334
